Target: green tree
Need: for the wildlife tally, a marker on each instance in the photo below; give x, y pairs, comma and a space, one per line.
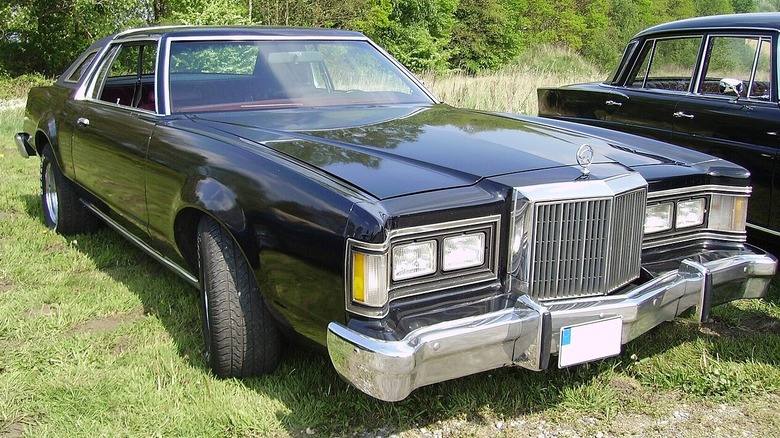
713, 7
486, 35
207, 12
742, 6
416, 32
45, 35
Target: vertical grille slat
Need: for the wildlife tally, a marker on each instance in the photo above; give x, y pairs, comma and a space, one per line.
586, 247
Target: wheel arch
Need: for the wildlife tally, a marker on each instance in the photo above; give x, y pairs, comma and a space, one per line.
215, 200
46, 134
41, 140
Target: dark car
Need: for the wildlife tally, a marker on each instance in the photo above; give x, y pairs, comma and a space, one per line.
307, 184
708, 83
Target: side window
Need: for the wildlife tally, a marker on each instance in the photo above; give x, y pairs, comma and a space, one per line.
621, 68
126, 77
672, 63
637, 78
730, 65
761, 87
79, 71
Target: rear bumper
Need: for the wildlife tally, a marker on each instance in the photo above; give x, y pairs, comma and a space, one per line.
528, 333
22, 141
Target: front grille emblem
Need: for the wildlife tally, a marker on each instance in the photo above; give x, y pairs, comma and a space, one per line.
585, 158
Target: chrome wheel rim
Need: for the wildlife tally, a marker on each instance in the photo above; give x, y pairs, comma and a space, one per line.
50, 194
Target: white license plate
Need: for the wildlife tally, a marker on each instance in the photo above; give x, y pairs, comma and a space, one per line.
590, 341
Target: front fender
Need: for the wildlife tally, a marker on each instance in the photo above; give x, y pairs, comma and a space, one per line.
215, 199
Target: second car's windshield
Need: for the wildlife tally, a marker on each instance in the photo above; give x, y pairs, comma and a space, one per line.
235, 75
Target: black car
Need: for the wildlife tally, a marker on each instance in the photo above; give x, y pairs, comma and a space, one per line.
708, 83
308, 184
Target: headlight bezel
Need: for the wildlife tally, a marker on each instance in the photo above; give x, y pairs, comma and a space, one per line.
397, 288
725, 214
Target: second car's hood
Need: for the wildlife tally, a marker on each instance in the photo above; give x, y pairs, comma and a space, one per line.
393, 151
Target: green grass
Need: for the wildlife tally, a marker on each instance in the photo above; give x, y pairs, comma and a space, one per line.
96, 339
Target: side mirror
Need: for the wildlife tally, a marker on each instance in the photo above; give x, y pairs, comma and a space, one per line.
731, 87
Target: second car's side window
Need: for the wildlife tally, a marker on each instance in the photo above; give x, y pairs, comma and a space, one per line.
672, 64
737, 66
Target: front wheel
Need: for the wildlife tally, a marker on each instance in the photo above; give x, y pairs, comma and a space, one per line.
241, 336
63, 210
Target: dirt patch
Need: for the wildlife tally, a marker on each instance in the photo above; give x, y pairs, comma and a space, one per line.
748, 325
6, 284
109, 323
122, 344
6, 215
626, 388
54, 247
16, 430
44, 310
675, 417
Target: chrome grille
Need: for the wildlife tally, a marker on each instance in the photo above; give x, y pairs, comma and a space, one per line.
586, 247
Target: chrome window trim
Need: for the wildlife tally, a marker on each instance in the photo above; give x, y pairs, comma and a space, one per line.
84, 92
86, 83
759, 36
165, 67
653, 41
407, 288
78, 63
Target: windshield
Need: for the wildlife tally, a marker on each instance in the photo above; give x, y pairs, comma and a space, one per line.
235, 75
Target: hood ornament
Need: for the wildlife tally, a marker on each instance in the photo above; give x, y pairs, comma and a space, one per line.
585, 158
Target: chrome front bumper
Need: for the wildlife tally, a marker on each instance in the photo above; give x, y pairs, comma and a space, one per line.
527, 334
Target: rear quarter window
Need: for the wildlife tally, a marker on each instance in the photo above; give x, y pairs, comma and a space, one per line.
76, 74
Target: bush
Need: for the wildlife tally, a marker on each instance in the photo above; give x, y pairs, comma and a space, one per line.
17, 88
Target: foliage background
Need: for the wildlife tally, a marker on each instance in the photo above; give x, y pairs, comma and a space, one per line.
471, 36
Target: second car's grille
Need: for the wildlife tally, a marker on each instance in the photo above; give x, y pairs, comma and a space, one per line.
586, 247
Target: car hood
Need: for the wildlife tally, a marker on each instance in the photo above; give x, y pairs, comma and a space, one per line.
394, 151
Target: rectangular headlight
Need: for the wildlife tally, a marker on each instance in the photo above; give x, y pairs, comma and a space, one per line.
690, 213
462, 252
658, 217
369, 279
728, 212
414, 260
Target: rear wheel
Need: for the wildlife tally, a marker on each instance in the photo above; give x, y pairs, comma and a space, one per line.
241, 337
63, 211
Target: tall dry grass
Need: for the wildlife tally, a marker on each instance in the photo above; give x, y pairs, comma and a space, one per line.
513, 89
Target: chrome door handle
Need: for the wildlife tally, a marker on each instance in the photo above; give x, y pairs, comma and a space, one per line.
680, 114
82, 122
613, 103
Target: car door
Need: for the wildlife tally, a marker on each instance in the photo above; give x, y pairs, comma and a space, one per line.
733, 114
660, 78
114, 124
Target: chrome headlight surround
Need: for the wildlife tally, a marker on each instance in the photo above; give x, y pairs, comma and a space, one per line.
706, 212
376, 274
